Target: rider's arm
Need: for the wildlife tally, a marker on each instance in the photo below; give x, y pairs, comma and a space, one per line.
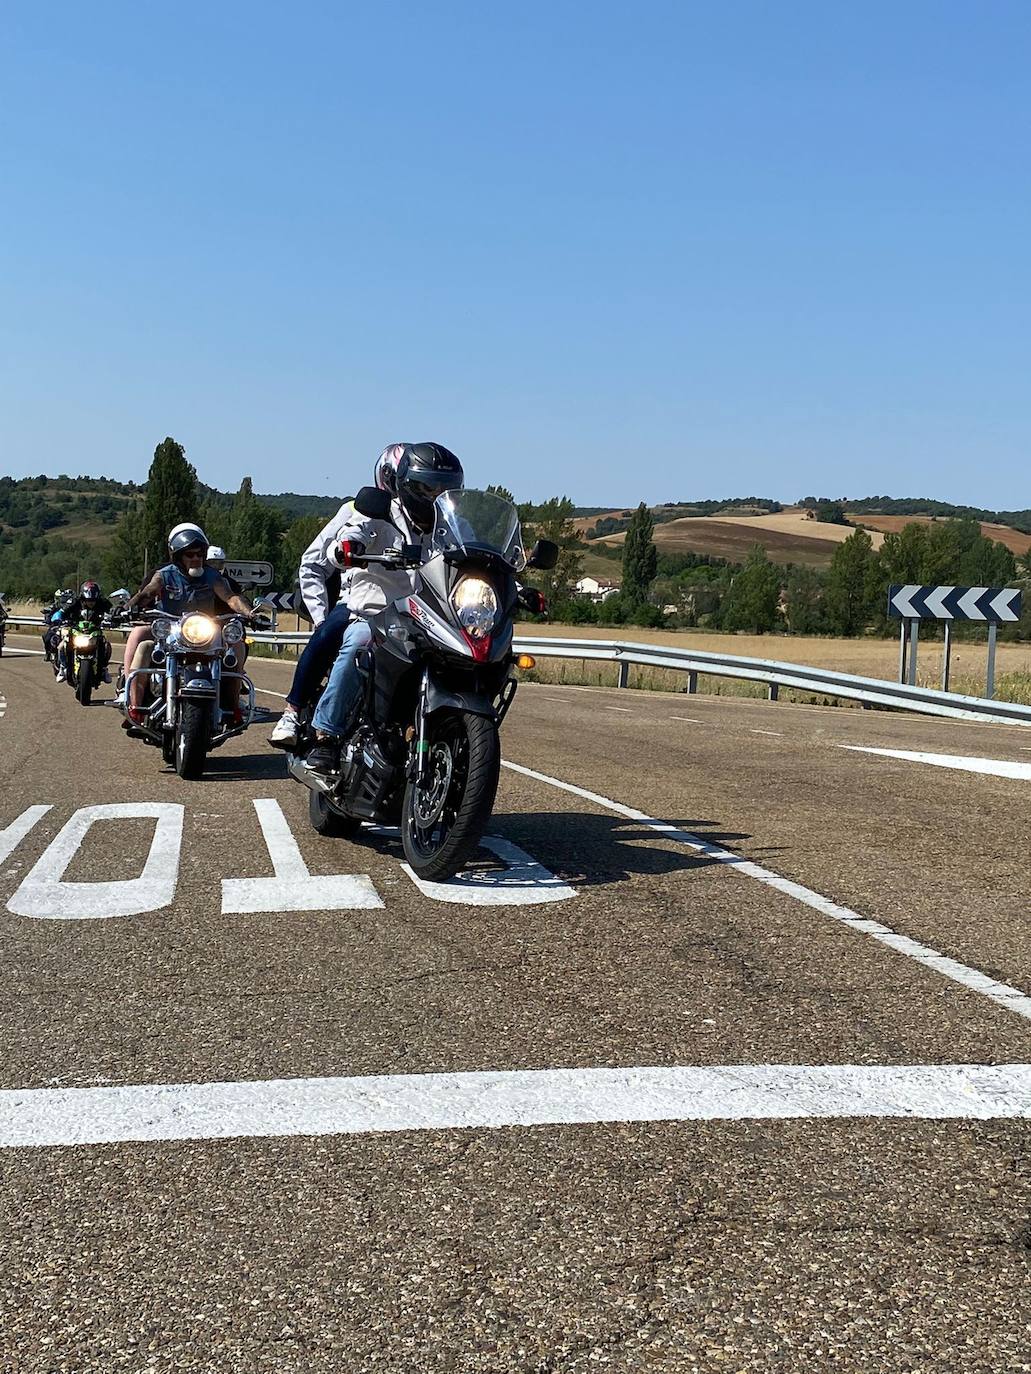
147, 594
317, 563
232, 599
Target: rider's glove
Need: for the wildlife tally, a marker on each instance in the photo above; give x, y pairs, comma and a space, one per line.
346, 553
533, 600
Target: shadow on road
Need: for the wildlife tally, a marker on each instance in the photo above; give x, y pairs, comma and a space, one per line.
270, 763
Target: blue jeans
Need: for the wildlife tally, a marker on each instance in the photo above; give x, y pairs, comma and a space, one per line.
318, 656
344, 687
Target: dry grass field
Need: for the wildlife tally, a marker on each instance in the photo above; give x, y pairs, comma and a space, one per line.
788, 537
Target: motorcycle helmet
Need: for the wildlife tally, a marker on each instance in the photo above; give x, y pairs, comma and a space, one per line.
424, 472
90, 591
216, 557
386, 468
188, 536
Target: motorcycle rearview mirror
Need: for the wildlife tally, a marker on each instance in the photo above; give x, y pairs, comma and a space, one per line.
119, 597
373, 503
543, 555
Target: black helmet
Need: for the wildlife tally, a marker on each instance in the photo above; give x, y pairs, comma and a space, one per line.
185, 537
423, 473
90, 591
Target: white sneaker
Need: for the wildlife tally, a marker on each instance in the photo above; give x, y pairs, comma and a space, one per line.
62, 676
284, 736
120, 698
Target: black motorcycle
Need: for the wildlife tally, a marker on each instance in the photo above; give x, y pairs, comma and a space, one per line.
86, 657
423, 750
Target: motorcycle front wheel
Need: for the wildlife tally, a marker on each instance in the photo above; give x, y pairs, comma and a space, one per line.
326, 821
446, 811
192, 738
84, 682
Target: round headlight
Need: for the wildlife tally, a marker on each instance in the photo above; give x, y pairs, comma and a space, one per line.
476, 604
161, 628
82, 641
233, 631
198, 630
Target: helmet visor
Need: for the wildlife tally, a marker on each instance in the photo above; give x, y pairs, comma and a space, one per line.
427, 486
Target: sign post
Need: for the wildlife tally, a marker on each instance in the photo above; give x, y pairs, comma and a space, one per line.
993, 606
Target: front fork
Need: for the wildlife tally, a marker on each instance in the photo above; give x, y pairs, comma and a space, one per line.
417, 767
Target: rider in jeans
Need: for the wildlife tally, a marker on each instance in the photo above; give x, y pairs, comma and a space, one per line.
321, 579
423, 472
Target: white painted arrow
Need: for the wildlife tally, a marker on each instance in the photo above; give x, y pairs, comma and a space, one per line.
1002, 605
935, 603
902, 603
968, 603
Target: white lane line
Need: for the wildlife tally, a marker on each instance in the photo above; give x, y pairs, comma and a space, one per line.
996, 768
625, 709
1009, 997
280, 695
529, 1097
688, 720
12, 835
778, 733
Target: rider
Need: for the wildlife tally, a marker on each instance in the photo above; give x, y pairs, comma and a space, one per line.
51, 624
182, 585
423, 472
89, 607
320, 583
216, 558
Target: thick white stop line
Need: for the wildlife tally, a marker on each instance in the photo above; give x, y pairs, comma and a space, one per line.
1009, 997
533, 1097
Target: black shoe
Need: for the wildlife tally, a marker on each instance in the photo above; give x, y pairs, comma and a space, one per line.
325, 757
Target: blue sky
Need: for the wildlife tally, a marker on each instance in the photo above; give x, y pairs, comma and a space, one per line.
621, 251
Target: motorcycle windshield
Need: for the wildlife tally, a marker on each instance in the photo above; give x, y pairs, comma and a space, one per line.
471, 521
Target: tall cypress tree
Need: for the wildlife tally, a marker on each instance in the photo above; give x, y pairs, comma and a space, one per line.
171, 499
640, 560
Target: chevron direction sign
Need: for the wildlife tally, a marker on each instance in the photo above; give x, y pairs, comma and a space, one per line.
282, 601
996, 605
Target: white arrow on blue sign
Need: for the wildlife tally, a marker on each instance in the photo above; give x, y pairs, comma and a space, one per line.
997, 605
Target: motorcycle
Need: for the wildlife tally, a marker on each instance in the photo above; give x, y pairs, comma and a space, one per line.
423, 750
192, 656
85, 657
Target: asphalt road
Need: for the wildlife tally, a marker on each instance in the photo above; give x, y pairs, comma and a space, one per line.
859, 1242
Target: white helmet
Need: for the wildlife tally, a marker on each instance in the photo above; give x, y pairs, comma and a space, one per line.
215, 554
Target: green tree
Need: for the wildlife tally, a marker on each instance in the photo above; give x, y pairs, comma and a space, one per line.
554, 520
255, 530
503, 492
171, 499
297, 538
123, 562
640, 561
751, 603
805, 602
850, 584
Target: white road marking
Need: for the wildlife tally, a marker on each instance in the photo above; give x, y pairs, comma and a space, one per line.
12, 835
522, 882
996, 768
688, 720
529, 1097
265, 690
44, 895
778, 733
625, 709
294, 888
1009, 997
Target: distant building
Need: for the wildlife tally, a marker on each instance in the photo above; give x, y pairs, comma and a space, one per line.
596, 588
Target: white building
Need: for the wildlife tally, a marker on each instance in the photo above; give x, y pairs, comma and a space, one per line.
596, 588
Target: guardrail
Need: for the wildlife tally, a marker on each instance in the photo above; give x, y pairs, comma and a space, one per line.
771, 672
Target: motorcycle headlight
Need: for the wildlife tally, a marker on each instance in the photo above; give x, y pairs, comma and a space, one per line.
82, 641
161, 628
233, 631
198, 630
476, 604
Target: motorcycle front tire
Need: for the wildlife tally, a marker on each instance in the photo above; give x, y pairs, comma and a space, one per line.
192, 738
437, 863
84, 683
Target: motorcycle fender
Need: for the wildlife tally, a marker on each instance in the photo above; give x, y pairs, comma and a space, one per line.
472, 703
198, 687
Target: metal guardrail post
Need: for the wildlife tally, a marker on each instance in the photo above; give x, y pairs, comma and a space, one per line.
993, 636
774, 691
692, 682
624, 673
